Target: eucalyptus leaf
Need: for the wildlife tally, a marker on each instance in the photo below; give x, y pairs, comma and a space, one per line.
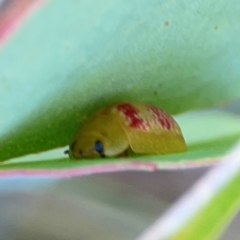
72, 57
213, 219
207, 143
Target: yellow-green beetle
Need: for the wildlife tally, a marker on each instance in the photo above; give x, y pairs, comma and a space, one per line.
118, 128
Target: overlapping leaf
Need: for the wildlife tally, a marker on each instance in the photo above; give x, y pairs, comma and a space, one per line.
72, 57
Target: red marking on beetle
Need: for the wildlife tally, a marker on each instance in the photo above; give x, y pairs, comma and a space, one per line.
164, 119
132, 114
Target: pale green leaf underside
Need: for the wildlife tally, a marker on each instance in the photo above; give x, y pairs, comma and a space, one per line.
72, 57
209, 136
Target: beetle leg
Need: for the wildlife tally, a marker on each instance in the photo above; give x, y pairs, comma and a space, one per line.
124, 154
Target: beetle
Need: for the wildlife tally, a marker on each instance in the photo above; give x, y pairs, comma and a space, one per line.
116, 129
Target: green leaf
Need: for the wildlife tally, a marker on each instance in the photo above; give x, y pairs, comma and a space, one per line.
212, 220
72, 57
204, 210
209, 136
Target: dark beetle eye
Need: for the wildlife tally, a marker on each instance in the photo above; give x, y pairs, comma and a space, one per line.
99, 146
